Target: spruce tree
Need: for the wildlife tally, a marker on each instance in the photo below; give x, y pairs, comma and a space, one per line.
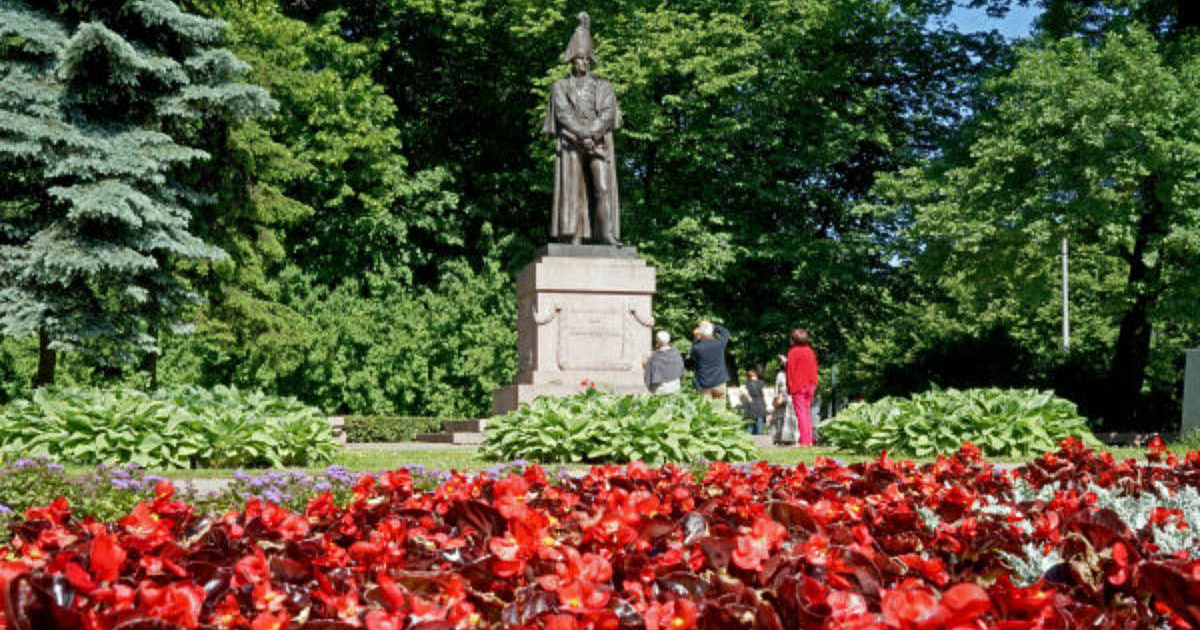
101, 102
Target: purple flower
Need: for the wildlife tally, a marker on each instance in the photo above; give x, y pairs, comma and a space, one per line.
339, 473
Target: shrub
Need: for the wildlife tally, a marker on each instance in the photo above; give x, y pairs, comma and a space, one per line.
598, 427
179, 428
1002, 422
376, 345
388, 428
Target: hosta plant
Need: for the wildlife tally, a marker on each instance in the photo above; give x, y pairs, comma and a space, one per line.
249, 428
1002, 422
185, 428
601, 427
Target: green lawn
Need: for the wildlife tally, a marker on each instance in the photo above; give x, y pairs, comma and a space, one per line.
466, 460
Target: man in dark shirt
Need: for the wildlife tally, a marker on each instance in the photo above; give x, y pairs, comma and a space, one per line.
708, 357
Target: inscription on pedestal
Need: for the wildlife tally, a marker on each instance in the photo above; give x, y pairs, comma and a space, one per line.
592, 340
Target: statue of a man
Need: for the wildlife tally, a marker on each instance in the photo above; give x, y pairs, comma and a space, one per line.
581, 116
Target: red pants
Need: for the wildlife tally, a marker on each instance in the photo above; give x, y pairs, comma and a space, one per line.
802, 403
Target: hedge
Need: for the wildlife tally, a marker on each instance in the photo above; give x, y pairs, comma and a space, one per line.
385, 428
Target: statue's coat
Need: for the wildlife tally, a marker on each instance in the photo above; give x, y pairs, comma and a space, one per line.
571, 192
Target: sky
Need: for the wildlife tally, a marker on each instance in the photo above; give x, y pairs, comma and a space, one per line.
1016, 24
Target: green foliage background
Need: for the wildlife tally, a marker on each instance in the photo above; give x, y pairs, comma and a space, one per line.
857, 167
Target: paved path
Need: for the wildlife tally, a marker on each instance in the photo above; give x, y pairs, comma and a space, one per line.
409, 446
206, 486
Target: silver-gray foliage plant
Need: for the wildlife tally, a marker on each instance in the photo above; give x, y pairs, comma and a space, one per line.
1135, 510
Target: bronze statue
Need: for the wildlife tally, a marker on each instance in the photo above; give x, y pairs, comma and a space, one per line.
581, 116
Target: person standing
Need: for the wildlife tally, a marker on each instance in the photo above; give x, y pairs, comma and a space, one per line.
754, 406
708, 359
783, 417
802, 382
664, 367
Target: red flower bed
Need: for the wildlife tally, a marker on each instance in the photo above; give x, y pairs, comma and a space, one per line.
887, 544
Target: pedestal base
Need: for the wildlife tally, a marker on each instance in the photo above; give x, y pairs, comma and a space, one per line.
583, 317
1191, 393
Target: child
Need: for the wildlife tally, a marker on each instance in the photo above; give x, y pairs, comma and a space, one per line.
754, 406
784, 418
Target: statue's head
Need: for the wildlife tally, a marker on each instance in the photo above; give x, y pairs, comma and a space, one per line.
580, 65
579, 50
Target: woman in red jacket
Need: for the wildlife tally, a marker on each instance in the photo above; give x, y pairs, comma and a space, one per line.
802, 382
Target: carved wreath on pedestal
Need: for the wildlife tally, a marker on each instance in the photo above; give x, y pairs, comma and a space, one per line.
569, 330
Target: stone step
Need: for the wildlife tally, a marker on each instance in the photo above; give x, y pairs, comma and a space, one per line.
338, 426
464, 426
452, 437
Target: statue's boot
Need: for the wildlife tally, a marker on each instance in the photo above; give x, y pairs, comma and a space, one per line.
577, 239
604, 225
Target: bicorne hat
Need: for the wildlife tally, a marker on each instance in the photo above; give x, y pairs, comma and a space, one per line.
581, 40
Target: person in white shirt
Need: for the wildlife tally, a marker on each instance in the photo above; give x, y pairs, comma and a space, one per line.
664, 367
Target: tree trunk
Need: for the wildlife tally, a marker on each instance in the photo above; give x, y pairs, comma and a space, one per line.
151, 367
1132, 353
47, 361
150, 361
1128, 371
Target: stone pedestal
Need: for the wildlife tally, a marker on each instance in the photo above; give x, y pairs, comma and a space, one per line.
1191, 393
583, 314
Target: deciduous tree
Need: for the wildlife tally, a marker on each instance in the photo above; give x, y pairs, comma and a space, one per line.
1098, 144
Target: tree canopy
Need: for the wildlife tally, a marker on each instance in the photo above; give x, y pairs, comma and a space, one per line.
1099, 145
859, 168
